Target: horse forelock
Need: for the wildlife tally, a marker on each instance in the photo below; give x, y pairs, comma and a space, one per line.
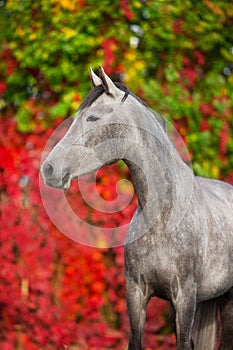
97, 91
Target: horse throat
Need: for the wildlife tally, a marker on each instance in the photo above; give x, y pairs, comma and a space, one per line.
162, 181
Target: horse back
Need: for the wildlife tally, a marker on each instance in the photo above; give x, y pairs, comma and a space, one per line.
218, 191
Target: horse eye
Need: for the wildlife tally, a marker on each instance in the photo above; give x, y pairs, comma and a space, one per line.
92, 118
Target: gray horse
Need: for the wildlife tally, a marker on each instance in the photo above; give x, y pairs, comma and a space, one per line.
179, 245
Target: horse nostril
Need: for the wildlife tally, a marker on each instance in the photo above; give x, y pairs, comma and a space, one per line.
66, 178
48, 170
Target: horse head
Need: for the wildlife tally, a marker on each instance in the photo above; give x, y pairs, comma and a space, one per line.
97, 136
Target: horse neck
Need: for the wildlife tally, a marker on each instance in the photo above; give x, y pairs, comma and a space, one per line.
158, 172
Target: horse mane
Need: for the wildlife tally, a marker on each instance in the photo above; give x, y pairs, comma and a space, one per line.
97, 91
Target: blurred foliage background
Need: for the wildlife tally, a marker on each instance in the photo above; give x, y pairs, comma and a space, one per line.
176, 55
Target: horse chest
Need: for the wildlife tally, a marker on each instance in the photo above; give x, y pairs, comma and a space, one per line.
149, 264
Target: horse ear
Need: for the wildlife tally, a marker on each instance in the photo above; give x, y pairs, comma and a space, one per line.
108, 84
94, 78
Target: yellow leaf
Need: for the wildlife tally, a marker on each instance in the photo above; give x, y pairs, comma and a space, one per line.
68, 5
215, 171
32, 36
69, 33
75, 105
137, 4
20, 31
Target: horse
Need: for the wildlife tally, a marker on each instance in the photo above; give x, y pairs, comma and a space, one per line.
179, 245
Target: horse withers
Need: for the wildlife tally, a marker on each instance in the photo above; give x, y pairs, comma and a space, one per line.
179, 246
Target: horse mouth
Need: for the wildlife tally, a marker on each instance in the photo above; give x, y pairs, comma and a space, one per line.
66, 180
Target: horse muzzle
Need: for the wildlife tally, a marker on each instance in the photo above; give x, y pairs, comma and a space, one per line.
51, 177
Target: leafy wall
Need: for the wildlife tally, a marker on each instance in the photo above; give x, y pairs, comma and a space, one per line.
178, 56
